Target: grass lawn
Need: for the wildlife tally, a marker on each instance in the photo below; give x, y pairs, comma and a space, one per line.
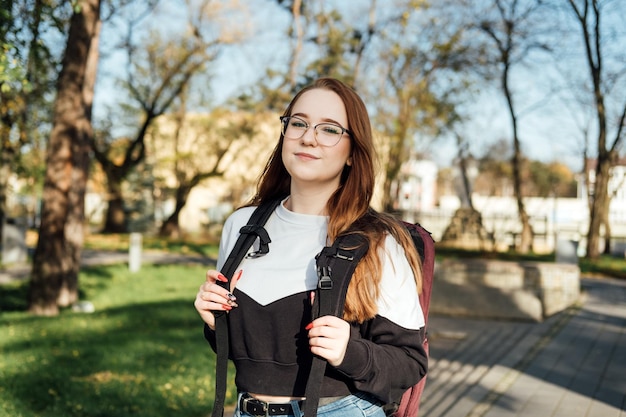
120, 242
141, 353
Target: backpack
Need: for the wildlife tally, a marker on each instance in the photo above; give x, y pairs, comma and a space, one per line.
425, 244
335, 266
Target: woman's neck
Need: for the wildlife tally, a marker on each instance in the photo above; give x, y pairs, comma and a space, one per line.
310, 202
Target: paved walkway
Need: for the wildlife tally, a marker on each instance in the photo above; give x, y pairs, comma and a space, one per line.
92, 257
571, 365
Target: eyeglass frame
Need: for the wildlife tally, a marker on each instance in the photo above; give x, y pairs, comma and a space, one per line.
285, 119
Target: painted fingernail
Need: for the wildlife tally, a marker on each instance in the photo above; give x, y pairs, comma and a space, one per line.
238, 275
222, 278
227, 307
231, 296
309, 326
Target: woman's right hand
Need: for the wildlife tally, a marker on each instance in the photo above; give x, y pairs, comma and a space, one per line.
213, 297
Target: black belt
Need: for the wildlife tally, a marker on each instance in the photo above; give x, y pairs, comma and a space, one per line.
256, 407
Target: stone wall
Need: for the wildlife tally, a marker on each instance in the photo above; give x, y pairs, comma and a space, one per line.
503, 290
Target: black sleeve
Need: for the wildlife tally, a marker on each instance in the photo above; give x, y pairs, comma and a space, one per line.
384, 359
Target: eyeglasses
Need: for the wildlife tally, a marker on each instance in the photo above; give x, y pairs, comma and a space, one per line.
326, 134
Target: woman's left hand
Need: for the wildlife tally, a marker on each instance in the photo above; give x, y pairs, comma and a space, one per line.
328, 338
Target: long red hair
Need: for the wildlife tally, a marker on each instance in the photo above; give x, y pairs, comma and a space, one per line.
349, 203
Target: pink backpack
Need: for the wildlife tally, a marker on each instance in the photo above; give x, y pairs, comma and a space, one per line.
410, 403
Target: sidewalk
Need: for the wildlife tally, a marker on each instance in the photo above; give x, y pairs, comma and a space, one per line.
91, 257
573, 364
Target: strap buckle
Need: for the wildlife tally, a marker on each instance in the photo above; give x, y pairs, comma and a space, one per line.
264, 239
255, 406
324, 281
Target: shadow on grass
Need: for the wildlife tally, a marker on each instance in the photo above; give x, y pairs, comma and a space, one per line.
144, 359
14, 296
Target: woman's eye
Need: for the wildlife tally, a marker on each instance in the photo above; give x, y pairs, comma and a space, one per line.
331, 130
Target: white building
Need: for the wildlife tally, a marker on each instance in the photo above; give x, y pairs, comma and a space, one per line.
552, 219
418, 185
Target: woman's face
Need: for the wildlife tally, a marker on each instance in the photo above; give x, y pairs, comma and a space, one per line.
308, 162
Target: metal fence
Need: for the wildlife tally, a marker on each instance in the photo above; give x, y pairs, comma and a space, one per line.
505, 229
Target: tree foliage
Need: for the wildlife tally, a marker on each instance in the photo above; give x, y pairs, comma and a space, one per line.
419, 66
201, 148
541, 179
325, 39
425, 58
28, 68
159, 68
512, 28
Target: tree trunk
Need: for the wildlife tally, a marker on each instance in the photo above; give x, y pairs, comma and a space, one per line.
171, 227
397, 148
600, 200
391, 193
116, 217
5, 172
588, 14
466, 199
607, 230
7, 164
115, 221
54, 279
294, 60
526, 237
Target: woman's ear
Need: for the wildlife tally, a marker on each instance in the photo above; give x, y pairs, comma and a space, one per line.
349, 162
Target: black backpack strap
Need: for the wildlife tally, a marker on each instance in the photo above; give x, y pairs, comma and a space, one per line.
335, 266
247, 236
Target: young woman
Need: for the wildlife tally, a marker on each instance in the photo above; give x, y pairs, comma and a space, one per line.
323, 169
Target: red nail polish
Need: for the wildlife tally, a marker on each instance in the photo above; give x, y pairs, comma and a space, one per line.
309, 326
227, 307
222, 278
238, 275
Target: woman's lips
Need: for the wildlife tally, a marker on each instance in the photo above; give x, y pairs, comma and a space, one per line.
307, 156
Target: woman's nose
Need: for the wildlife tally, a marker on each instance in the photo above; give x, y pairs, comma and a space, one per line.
309, 137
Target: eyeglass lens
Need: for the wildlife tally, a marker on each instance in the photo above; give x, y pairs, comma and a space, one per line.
327, 134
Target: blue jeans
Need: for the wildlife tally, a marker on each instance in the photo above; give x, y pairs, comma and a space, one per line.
356, 405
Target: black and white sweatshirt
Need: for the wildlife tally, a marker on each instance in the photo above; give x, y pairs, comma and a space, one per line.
269, 343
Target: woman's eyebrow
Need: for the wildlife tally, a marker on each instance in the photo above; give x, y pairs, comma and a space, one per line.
324, 120
301, 115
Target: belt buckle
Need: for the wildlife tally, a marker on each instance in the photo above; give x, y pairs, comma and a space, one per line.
255, 402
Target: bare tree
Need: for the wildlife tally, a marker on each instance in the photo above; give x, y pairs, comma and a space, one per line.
341, 42
217, 133
511, 27
296, 32
158, 71
54, 279
417, 97
589, 15
336, 43
464, 158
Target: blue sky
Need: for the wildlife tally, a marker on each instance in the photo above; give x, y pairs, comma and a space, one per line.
547, 131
